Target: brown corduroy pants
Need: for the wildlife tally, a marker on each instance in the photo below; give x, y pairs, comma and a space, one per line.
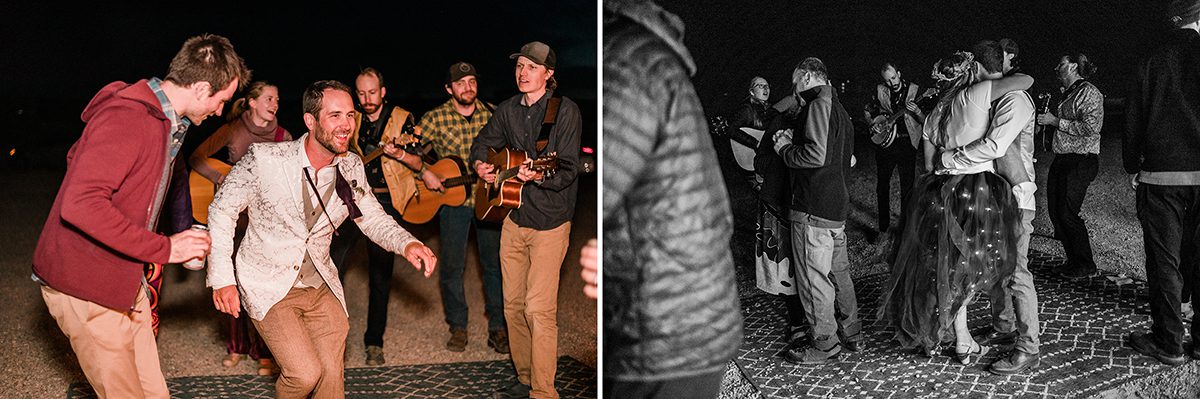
306, 331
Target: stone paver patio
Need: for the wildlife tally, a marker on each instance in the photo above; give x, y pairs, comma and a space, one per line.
1083, 325
446, 380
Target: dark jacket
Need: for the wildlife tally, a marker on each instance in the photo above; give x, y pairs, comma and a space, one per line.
1163, 109
670, 301
751, 114
819, 155
97, 237
776, 188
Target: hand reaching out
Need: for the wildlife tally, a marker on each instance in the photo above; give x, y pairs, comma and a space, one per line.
421, 257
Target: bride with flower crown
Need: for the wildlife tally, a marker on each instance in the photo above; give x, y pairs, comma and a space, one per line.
961, 233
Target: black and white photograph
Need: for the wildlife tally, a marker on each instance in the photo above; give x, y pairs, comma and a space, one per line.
921, 199
628, 199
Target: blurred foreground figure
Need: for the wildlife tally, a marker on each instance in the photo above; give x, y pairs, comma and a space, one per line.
671, 314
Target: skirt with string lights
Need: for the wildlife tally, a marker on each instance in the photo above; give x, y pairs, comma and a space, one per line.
960, 239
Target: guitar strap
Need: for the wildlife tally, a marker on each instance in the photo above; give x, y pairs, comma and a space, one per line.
424, 147
548, 122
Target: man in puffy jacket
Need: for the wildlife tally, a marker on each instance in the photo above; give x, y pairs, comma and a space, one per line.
671, 315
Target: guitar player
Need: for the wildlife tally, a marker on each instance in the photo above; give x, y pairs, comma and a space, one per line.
391, 178
535, 237
451, 127
899, 151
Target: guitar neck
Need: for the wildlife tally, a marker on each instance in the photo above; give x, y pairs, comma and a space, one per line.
507, 174
458, 181
371, 157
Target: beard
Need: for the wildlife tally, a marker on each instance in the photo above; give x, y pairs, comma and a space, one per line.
370, 108
325, 139
465, 98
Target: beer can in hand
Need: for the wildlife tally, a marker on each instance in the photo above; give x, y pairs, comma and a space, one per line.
196, 264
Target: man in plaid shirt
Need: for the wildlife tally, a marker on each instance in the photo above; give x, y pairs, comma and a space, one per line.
451, 127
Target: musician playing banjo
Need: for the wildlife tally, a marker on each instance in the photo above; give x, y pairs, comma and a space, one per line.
896, 131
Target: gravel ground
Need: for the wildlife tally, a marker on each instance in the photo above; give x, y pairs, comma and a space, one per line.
38, 362
1108, 210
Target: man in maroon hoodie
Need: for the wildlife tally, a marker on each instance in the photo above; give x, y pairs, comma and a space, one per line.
100, 231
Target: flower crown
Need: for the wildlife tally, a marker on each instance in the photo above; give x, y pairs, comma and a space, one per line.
957, 70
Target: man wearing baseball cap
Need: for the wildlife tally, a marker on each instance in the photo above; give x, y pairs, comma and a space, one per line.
451, 127
1160, 148
535, 236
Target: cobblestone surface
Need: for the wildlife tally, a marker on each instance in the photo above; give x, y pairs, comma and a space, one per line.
1083, 325
448, 380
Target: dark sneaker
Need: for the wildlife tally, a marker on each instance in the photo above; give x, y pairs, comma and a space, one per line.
799, 341
374, 355
458, 341
811, 355
1142, 343
517, 390
1016, 362
798, 337
498, 340
1079, 273
996, 338
853, 346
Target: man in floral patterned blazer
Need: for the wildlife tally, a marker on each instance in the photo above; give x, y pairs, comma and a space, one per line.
296, 194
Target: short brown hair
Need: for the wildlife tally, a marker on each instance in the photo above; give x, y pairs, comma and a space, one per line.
372, 71
315, 93
208, 58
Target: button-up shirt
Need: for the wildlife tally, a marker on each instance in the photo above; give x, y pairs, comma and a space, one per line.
1081, 116
179, 127
324, 180
516, 125
369, 134
452, 133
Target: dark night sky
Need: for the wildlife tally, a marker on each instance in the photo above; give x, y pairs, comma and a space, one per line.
734, 40
53, 58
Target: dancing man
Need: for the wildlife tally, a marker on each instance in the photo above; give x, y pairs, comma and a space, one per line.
296, 194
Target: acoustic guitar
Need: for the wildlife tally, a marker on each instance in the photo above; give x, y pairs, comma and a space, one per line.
494, 200
406, 141
203, 190
425, 204
744, 151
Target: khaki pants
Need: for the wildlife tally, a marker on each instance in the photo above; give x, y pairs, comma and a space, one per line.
530, 261
1014, 301
306, 331
116, 350
823, 280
